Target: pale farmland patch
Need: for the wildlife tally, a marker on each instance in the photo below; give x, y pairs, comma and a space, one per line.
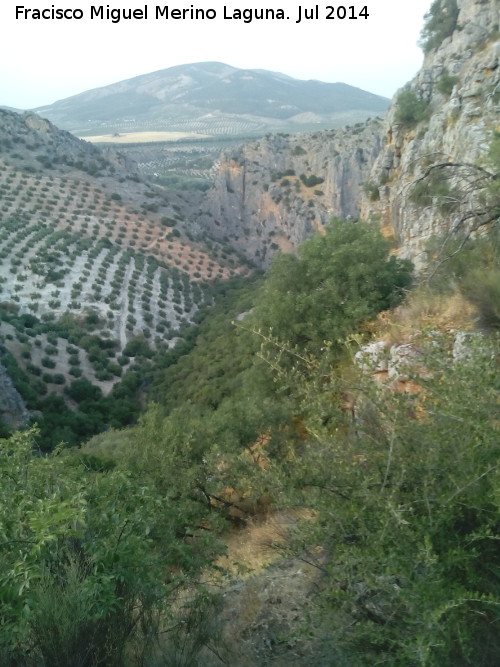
143, 137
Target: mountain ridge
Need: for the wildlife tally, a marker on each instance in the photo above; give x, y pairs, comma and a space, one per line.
185, 94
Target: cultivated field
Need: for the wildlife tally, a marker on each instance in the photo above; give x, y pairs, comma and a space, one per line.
69, 245
142, 137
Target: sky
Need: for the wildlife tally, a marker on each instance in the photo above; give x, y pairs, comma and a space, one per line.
45, 60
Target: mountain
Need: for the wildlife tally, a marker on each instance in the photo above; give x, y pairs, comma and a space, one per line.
208, 97
84, 234
14, 109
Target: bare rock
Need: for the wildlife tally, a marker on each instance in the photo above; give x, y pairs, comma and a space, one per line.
13, 410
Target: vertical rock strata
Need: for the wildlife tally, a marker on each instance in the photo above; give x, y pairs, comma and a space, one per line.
460, 119
272, 193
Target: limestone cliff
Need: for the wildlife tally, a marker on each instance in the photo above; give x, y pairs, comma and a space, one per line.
459, 86
270, 194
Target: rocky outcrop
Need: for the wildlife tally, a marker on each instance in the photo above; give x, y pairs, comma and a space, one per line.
460, 86
271, 194
13, 411
36, 137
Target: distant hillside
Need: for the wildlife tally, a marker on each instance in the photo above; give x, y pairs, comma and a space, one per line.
90, 252
4, 108
212, 98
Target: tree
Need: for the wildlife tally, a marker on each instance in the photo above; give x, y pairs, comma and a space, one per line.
337, 281
89, 561
439, 23
83, 390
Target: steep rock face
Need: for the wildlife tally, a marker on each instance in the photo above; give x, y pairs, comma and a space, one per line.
13, 410
271, 194
460, 118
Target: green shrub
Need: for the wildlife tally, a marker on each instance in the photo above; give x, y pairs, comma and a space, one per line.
407, 496
481, 287
47, 362
371, 190
410, 109
335, 283
446, 84
311, 181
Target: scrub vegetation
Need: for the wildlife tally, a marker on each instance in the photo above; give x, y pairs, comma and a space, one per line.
107, 549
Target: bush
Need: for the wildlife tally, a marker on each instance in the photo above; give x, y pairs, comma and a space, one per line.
311, 181
371, 189
410, 109
435, 190
81, 542
335, 283
446, 84
137, 347
83, 390
482, 288
408, 509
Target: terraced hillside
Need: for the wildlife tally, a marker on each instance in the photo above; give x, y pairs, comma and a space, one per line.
86, 246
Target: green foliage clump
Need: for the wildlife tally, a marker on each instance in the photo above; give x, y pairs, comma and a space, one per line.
493, 163
446, 83
407, 502
137, 347
372, 190
481, 287
91, 559
334, 284
440, 23
410, 109
311, 181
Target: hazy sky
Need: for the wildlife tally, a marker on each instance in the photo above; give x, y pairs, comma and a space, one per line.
45, 60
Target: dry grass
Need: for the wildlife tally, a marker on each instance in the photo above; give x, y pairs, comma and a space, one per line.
259, 543
424, 311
